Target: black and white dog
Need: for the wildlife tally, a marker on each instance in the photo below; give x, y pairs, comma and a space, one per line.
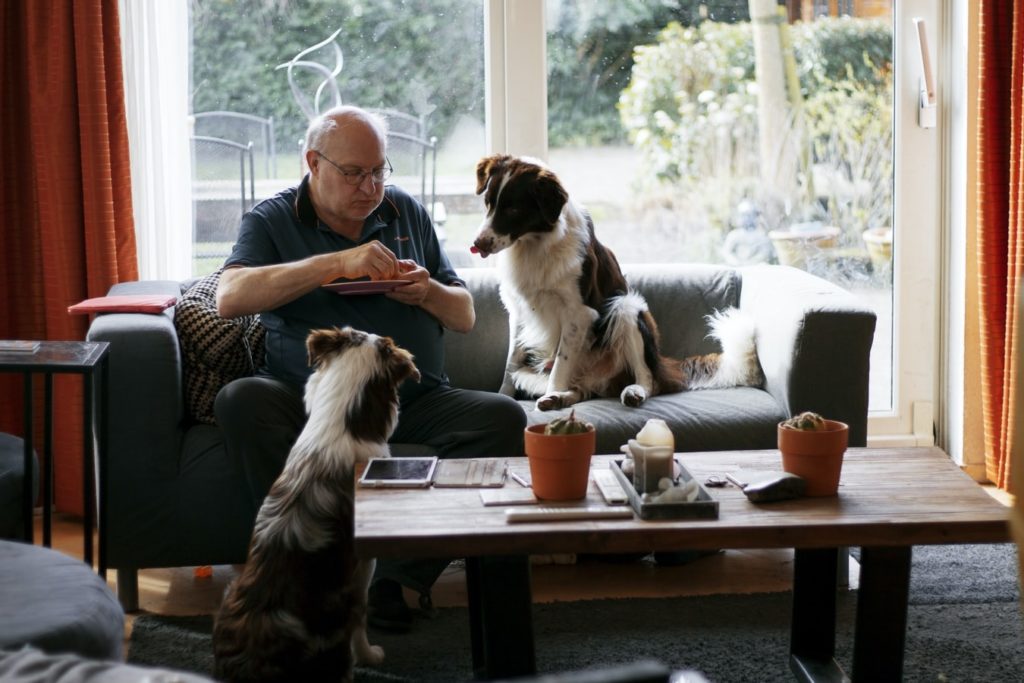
297, 611
577, 330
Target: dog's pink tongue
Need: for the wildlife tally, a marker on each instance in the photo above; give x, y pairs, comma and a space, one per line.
473, 250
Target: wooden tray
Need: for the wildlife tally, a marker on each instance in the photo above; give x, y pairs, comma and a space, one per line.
704, 507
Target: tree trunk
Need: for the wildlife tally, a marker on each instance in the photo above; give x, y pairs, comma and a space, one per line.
777, 147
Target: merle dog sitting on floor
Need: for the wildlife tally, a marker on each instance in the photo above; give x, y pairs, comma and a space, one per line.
297, 611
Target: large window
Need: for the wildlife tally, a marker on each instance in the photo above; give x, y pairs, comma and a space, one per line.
692, 132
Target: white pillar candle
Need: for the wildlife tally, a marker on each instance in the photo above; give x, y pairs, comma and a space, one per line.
656, 433
657, 446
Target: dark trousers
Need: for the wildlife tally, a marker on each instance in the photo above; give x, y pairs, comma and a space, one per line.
261, 418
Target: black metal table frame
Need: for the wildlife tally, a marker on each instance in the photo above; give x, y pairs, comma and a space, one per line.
95, 377
501, 627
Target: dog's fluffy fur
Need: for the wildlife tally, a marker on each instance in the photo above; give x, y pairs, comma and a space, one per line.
297, 611
577, 330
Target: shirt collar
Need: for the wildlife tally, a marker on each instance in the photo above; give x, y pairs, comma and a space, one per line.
384, 214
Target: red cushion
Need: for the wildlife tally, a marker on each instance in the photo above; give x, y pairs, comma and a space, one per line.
125, 303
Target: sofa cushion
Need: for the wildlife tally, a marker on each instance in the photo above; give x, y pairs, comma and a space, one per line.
681, 297
215, 350
739, 418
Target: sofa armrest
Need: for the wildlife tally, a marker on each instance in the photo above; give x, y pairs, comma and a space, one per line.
814, 343
146, 401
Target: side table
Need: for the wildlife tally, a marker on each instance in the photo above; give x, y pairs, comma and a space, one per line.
89, 359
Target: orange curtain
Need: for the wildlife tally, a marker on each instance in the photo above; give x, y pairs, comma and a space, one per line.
1000, 224
65, 195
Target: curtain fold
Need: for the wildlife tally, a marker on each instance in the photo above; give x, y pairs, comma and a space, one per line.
1000, 225
65, 194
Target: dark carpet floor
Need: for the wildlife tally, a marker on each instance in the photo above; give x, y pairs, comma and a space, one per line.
964, 624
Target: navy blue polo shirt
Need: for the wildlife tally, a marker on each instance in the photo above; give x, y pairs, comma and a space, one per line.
285, 228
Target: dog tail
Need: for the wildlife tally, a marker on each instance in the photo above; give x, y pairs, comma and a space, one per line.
737, 365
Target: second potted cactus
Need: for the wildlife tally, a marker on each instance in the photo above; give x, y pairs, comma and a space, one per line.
812, 448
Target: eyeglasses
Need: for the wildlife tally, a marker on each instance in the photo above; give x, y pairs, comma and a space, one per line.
354, 175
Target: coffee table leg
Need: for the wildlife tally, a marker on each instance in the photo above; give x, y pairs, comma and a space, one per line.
812, 641
881, 613
500, 619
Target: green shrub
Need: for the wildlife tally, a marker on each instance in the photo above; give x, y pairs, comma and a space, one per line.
850, 129
590, 59
833, 50
691, 108
689, 95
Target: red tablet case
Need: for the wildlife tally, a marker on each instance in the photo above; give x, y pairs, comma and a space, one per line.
125, 303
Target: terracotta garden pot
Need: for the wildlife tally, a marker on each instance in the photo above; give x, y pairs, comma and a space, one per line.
804, 244
816, 456
879, 244
559, 463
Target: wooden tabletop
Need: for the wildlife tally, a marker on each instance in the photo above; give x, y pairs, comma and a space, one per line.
887, 497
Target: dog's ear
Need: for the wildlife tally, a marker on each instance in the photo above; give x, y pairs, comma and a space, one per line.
319, 343
485, 167
398, 361
550, 195
404, 365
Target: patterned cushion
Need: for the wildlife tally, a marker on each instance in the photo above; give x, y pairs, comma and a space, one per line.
215, 350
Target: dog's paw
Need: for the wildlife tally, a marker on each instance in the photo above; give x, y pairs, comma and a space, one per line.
549, 402
556, 400
633, 395
371, 655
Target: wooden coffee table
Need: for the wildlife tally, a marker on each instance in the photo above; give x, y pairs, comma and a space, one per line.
889, 500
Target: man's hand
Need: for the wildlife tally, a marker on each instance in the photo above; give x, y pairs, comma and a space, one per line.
452, 305
416, 291
372, 259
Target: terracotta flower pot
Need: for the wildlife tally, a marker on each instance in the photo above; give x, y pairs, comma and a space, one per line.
559, 463
816, 456
879, 244
803, 244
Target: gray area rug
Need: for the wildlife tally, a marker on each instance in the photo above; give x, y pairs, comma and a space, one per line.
964, 624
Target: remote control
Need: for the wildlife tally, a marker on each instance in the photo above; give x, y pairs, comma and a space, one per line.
552, 514
609, 487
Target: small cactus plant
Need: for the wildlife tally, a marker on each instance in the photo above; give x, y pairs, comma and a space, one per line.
567, 425
807, 421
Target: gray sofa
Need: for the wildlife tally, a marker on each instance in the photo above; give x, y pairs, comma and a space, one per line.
175, 499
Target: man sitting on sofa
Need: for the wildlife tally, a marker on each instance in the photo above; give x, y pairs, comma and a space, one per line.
341, 221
